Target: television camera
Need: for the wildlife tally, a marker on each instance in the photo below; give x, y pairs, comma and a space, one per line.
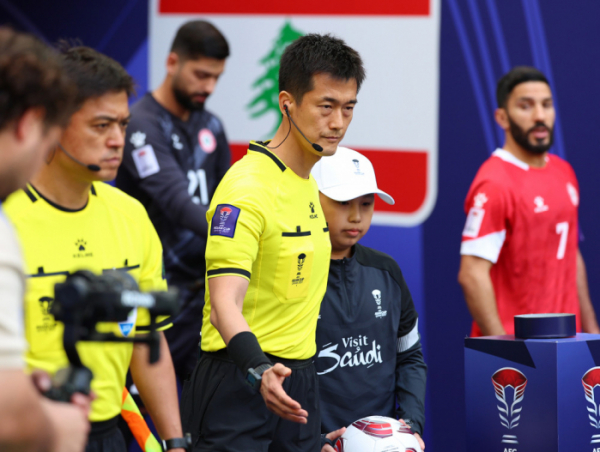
82, 301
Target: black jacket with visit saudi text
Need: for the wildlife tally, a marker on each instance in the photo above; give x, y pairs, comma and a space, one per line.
369, 357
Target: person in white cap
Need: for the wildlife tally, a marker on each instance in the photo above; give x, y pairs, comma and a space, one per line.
369, 357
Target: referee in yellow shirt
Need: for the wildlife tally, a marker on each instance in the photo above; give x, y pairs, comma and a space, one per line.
67, 220
267, 257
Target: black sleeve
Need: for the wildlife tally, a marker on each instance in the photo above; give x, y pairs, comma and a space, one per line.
411, 377
224, 155
168, 188
411, 370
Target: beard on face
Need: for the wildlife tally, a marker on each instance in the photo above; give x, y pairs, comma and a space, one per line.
522, 137
184, 98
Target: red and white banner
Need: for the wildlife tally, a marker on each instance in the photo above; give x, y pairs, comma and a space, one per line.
396, 120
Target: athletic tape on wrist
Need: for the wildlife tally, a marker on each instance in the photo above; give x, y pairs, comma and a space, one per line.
244, 350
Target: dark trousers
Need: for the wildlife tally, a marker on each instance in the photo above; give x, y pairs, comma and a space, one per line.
106, 437
184, 336
224, 413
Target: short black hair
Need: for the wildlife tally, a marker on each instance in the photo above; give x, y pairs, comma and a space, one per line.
31, 76
199, 38
94, 73
514, 77
317, 54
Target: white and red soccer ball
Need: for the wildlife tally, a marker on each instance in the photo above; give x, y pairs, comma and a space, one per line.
378, 434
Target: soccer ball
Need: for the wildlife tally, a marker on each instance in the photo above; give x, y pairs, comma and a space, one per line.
378, 434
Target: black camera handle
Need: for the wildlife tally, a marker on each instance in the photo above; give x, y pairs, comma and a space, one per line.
77, 378
74, 378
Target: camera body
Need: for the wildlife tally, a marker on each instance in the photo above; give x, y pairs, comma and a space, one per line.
85, 299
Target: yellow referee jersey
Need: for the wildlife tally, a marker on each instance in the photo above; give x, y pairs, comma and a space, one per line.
266, 225
112, 231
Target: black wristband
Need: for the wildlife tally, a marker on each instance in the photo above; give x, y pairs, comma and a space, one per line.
177, 443
245, 352
414, 427
325, 440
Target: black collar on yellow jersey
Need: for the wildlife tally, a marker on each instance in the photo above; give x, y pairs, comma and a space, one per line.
31, 193
259, 147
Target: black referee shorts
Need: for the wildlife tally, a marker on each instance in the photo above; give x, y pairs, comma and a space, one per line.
105, 436
225, 414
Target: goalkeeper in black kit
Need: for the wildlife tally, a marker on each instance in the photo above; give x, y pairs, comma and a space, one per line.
369, 357
176, 153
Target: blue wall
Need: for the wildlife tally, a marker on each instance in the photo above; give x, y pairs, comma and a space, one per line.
478, 44
480, 39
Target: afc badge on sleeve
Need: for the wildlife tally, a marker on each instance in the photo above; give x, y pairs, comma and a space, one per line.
224, 220
475, 216
474, 220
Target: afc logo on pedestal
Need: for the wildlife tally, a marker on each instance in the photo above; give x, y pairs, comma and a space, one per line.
544, 394
510, 407
591, 380
509, 385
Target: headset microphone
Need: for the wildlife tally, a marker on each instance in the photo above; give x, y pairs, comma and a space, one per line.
315, 146
92, 167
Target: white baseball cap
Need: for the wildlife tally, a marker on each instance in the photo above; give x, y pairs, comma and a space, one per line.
347, 175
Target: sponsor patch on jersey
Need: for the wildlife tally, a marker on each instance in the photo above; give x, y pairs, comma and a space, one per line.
474, 221
224, 220
145, 161
207, 141
573, 194
126, 327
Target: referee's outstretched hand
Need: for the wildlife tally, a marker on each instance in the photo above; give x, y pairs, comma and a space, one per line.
275, 397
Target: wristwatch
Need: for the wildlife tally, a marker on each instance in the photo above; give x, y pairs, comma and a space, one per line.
176, 443
254, 376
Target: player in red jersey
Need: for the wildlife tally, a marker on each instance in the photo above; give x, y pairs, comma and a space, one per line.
519, 251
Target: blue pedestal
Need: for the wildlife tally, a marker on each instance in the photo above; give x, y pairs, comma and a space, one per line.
532, 395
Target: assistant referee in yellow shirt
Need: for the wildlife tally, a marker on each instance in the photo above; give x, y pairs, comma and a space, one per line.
268, 251
68, 220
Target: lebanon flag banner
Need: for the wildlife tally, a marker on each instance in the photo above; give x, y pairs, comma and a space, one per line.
396, 119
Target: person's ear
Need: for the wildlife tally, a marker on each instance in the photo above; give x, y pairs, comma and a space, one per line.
27, 124
501, 117
286, 100
173, 62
